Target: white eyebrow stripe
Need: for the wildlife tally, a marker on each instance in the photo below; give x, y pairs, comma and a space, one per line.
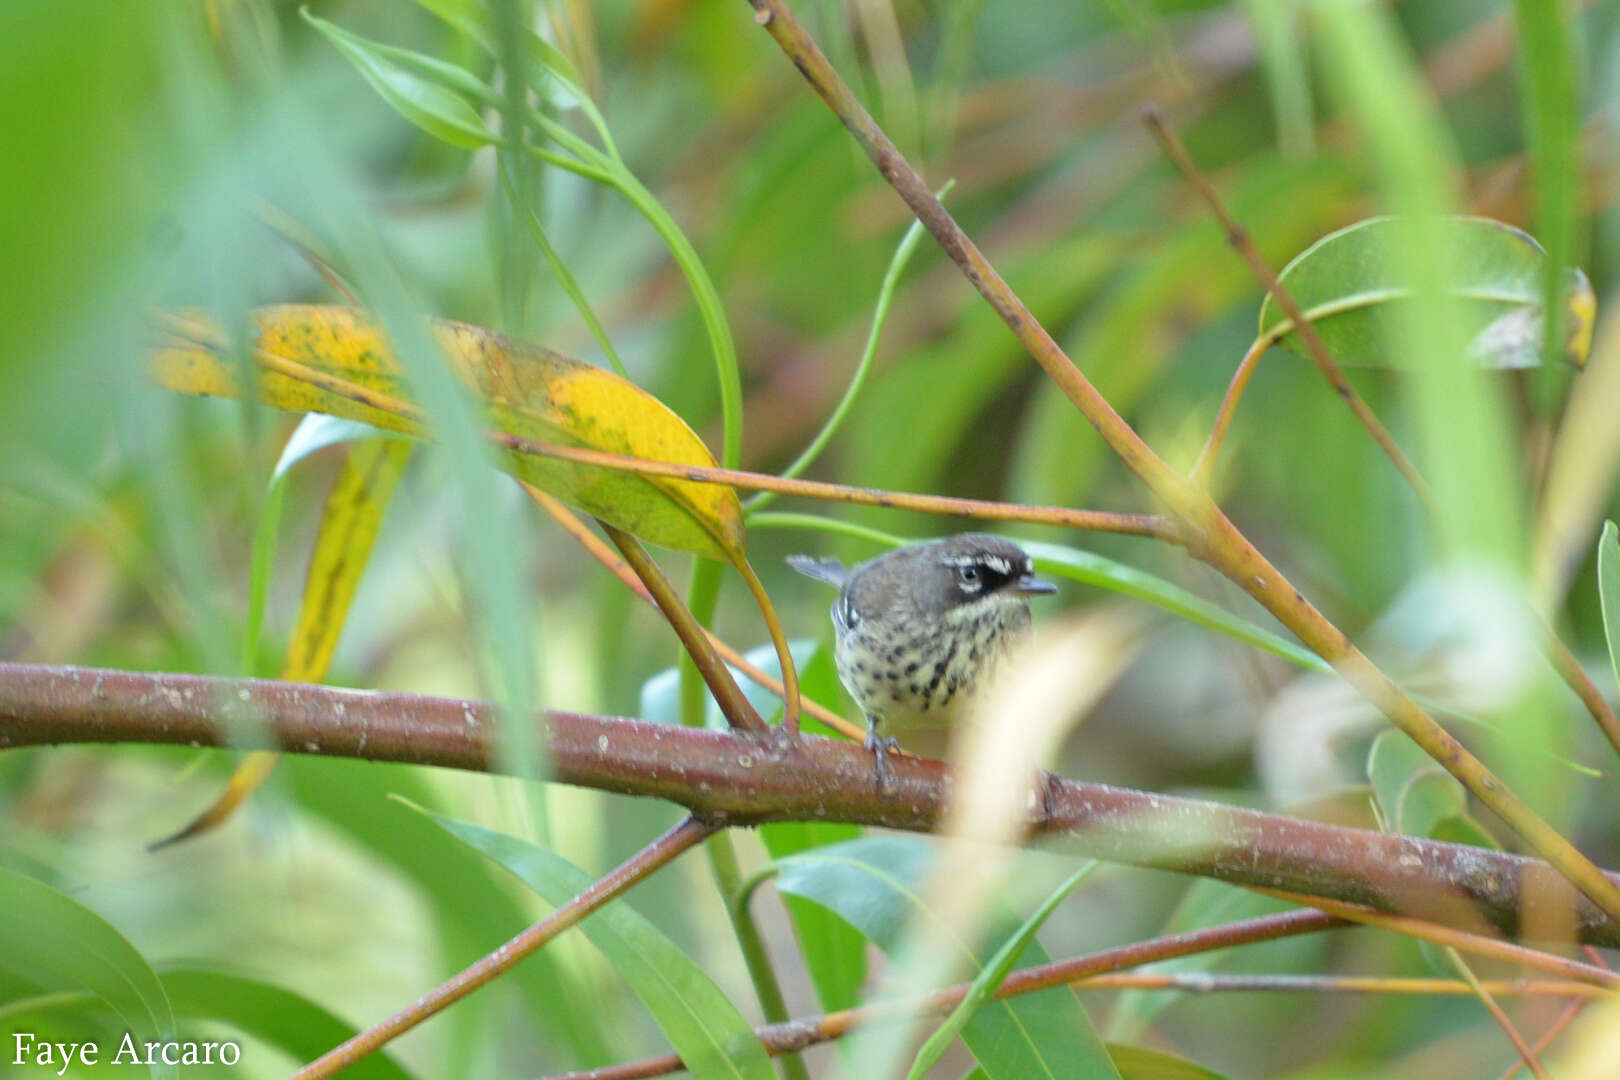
957, 560
998, 564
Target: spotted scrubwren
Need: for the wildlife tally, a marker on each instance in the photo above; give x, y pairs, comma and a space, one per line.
920, 629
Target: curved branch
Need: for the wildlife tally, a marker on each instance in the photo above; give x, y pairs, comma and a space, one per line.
733, 779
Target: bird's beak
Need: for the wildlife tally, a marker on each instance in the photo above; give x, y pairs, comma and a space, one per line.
1030, 585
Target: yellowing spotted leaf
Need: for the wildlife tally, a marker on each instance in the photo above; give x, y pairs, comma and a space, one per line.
335, 360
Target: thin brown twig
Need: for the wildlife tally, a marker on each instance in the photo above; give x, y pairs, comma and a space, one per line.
1205, 465
1213, 535
1499, 1014
1563, 661
1238, 237
734, 704
1153, 526
593, 545
1208, 983
1559, 966
795, 1035
791, 699
1556, 1028
654, 856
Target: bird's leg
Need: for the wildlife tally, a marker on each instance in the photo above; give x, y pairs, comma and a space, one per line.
880, 747
1048, 782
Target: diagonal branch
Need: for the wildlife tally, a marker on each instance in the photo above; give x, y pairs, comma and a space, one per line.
1217, 539
1563, 661
740, 780
620, 569
736, 707
649, 859
1093, 971
1238, 237
795, 1035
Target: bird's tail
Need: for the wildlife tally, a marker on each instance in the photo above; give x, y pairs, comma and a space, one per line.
831, 571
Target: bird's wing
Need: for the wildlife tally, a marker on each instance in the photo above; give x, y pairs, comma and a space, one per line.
831, 571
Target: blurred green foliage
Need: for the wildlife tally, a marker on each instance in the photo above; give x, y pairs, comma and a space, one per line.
222, 154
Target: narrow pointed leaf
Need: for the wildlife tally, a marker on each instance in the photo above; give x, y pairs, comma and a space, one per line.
1105, 573
56, 943
527, 391
991, 977
701, 1023
834, 952
1142, 1063
875, 885
473, 19
425, 103
1609, 591
276, 1016
349, 525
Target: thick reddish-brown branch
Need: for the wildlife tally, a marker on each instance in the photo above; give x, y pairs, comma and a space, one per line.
735, 779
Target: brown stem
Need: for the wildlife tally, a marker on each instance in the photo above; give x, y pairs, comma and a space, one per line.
1205, 465
1556, 1028
415, 425
797, 1034
1560, 966
1214, 537
1206, 983
739, 712
1500, 1016
1564, 662
1153, 526
740, 779
1558, 653
784, 655
620, 569
650, 858
1238, 237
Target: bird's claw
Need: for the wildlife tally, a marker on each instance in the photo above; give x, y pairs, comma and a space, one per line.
881, 747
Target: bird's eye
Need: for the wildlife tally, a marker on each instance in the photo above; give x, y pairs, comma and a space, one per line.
969, 573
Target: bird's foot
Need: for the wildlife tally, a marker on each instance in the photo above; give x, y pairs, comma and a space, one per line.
881, 748
1048, 782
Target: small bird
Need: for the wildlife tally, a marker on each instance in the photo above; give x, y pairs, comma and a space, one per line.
922, 627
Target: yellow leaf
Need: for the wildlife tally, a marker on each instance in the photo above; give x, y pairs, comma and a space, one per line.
349, 525
335, 360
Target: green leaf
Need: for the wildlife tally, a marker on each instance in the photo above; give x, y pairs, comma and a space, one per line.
705, 1028
834, 952
1105, 573
1415, 796
471, 903
1609, 591
1141, 1063
566, 86
273, 1015
1412, 793
1091, 569
874, 884
436, 110
660, 694
58, 944
991, 977
1351, 284
317, 432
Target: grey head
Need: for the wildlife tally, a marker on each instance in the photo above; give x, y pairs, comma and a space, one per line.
929, 580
